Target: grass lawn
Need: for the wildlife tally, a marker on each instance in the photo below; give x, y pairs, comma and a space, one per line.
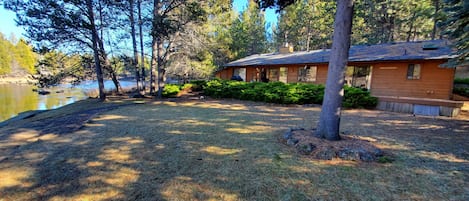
227, 150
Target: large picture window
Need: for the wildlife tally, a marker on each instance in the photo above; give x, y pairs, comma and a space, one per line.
283, 76
307, 74
358, 76
239, 74
413, 72
273, 74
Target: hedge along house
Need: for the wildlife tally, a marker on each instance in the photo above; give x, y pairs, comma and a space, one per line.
405, 76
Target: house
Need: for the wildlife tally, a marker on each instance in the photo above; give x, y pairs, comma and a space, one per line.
405, 76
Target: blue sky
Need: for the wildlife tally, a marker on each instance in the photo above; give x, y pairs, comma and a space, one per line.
8, 25
270, 15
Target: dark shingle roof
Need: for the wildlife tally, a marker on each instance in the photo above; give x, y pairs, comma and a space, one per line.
437, 49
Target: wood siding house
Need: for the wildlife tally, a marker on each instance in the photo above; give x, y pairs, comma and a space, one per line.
405, 76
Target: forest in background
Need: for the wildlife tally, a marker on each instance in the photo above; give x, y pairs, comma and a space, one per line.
192, 39
16, 54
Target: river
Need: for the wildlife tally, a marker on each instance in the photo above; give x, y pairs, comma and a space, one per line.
16, 98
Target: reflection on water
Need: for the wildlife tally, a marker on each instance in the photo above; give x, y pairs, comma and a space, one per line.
15, 98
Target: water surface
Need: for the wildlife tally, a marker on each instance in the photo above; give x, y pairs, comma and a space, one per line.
16, 98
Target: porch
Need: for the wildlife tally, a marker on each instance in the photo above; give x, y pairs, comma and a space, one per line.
420, 106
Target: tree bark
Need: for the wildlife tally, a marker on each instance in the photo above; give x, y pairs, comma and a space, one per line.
142, 62
435, 17
94, 39
103, 55
134, 43
154, 58
161, 70
154, 44
329, 121
107, 64
411, 26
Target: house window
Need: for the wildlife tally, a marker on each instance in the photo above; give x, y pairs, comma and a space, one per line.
273, 74
358, 76
239, 74
283, 76
413, 72
307, 74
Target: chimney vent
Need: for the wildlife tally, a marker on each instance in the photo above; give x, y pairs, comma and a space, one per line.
285, 49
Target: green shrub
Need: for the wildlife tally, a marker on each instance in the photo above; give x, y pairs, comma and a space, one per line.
461, 80
461, 91
278, 92
198, 85
171, 90
358, 98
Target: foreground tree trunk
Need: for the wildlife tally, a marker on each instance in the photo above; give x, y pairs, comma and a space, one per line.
329, 121
94, 39
161, 70
103, 57
142, 59
107, 65
154, 58
134, 44
154, 45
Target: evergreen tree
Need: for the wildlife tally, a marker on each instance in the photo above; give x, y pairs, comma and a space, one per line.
248, 32
25, 56
306, 25
66, 23
220, 19
457, 29
5, 55
170, 18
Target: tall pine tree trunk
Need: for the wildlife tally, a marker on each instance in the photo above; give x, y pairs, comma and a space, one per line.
142, 55
103, 56
134, 43
435, 17
94, 39
154, 58
154, 44
161, 70
107, 65
411, 26
329, 121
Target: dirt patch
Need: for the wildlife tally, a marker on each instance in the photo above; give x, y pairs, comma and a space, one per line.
350, 147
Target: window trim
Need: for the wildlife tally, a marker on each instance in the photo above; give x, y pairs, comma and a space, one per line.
273, 78
304, 76
412, 70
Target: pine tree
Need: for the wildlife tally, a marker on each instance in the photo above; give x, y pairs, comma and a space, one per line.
67, 24
5, 55
25, 56
457, 29
248, 32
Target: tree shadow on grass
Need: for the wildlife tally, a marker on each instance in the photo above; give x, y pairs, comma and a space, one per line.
229, 151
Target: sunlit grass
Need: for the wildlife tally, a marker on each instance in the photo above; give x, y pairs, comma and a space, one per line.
11, 177
228, 150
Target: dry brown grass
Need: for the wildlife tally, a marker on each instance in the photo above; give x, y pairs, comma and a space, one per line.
228, 150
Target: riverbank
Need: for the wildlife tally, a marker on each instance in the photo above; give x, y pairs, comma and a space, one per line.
18, 80
18, 98
77, 112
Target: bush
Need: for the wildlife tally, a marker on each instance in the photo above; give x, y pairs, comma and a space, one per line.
197, 85
461, 81
358, 98
278, 92
171, 90
461, 91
